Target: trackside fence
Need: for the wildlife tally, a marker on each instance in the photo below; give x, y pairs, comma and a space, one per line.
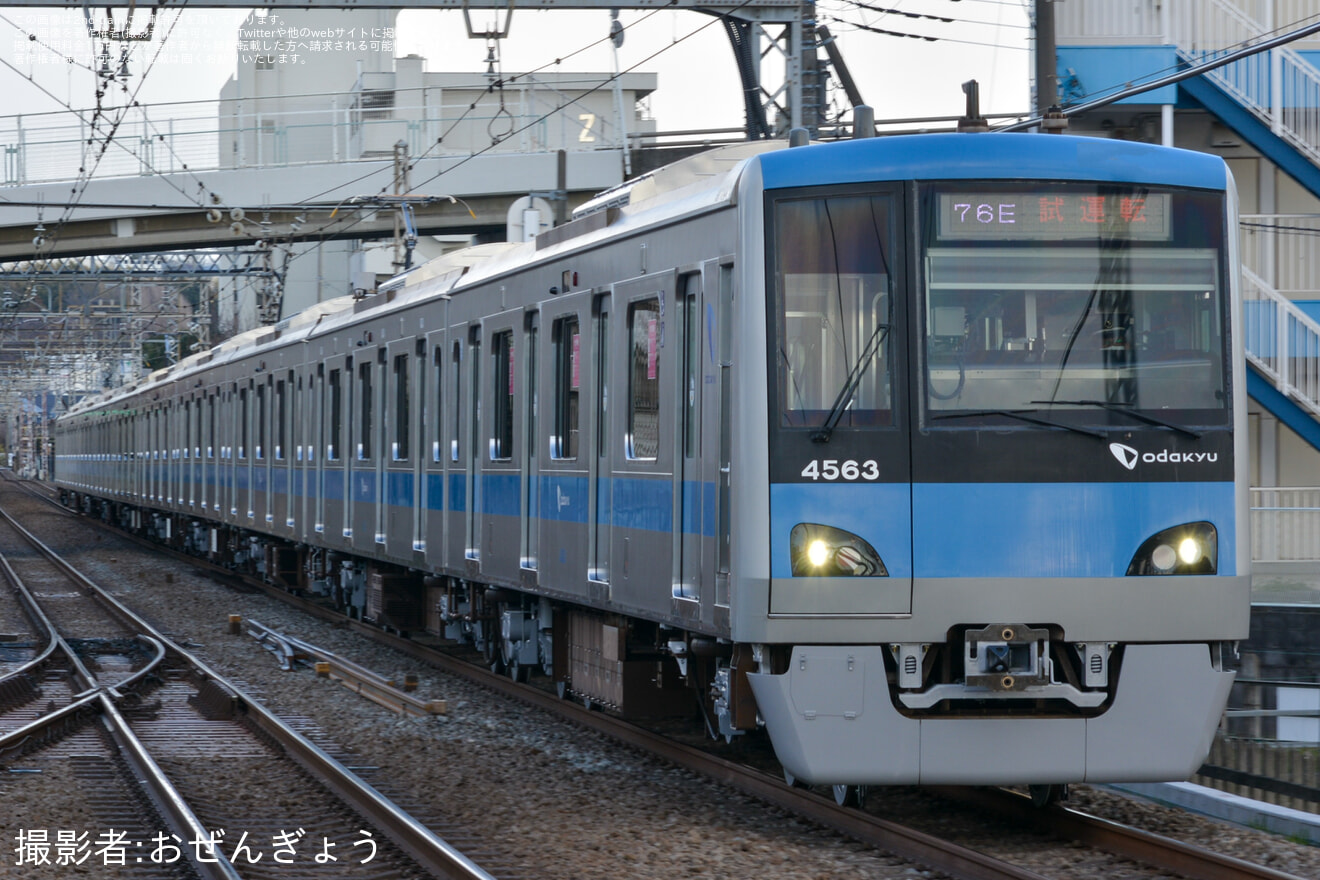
1287, 774
1285, 524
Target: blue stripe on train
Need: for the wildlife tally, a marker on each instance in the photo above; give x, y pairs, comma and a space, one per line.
878, 513
1003, 529
628, 502
1057, 529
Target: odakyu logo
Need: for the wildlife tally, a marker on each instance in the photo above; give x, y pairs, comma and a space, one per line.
1128, 457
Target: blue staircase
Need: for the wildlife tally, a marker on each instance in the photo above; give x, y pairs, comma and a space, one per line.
1271, 101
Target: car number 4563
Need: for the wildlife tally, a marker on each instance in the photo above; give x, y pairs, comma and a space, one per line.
832, 469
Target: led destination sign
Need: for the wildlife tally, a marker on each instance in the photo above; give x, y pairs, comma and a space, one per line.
1053, 216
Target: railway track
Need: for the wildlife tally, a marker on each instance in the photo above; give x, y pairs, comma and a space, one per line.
934, 851
207, 754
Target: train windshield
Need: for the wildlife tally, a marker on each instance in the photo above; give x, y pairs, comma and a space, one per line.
1073, 304
833, 297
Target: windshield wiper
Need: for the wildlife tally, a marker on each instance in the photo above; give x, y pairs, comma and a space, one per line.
1126, 409
850, 384
1022, 416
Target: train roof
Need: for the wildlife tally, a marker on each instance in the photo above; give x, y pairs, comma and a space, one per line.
710, 179
992, 155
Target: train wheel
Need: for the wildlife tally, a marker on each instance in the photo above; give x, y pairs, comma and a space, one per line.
793, 781
520, 673
490, 651
850, 795
1044, 795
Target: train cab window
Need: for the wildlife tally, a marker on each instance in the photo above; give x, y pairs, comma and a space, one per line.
365, 423
1073, 297
402, 415
567, 341
643, 441
336, 425
834, 307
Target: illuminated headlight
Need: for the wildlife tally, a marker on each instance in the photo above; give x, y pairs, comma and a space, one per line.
824, 551
1192, 548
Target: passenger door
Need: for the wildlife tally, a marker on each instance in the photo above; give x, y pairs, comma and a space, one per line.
438, 397
693, 487
500, 501
641, 453
399, 453
567, 453
367, 456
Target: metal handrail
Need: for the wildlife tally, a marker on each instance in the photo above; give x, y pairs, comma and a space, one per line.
1279, 87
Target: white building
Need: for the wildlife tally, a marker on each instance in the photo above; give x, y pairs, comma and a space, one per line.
324, 86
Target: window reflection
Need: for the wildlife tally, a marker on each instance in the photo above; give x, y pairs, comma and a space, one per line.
833, 292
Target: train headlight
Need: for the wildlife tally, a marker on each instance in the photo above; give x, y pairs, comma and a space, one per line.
1192, 548
824, 551
1164, 558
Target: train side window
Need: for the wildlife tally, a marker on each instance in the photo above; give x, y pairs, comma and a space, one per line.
502, 352
315, 411
402, 415
457, 413
690, 390
243, 422
643, 441
280, 414
602, 384
474, 401
567, 339
439, 423
364, 413
336, 417
259, 447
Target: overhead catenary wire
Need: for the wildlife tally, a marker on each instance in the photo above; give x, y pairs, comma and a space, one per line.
10, 326
943, 19
536, 121
926, 37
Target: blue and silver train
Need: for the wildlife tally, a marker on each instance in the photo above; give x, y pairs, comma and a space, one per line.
925, 454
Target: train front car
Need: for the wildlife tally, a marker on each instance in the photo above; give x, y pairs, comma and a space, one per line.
1005, 418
